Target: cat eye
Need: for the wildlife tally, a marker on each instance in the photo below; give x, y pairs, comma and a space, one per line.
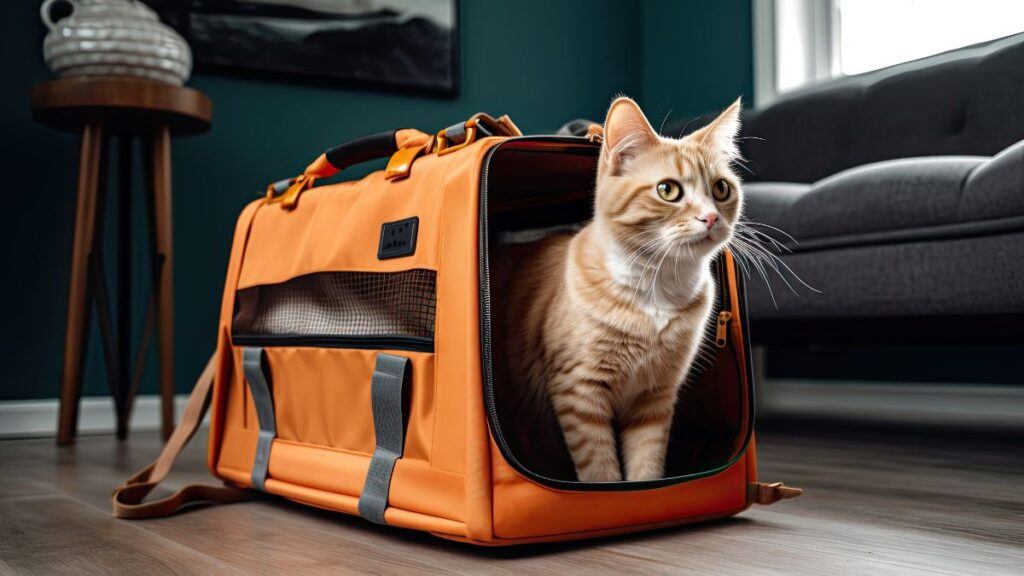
670, 190
721, 190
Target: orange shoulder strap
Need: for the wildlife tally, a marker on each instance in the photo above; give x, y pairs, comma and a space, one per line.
128, 497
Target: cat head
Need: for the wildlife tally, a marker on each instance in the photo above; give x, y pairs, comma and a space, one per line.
657, 194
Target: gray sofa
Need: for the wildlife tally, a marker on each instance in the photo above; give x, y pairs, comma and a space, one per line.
904, 191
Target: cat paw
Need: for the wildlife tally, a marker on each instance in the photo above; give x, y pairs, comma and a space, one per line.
606, 474
646, 473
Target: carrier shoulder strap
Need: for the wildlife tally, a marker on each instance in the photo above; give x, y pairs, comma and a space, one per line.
128, 498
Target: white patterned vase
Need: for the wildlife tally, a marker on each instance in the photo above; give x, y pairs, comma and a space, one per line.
114, 38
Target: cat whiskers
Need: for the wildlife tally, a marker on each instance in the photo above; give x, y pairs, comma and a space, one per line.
742, 163
704, 359
650, 249
643, 273
689, 249
671, 245
756, 250
747, 223
777, 262
663, 245
654, 279
636, 254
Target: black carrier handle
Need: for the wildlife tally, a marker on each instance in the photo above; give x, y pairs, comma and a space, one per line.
363, 149
402, 146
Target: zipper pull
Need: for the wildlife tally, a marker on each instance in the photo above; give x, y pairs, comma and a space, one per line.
721, 334
765, 494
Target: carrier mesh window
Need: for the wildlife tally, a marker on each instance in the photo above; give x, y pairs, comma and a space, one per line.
341, 304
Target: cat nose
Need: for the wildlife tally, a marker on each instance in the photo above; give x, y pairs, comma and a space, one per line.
708, 219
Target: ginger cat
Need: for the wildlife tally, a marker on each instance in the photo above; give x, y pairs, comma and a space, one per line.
602, 327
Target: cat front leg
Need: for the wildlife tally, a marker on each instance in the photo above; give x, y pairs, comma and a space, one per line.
584, 412
645, 429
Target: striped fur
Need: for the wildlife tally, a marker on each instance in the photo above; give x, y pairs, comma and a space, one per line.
602, 327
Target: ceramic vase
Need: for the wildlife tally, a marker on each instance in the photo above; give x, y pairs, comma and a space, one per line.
114, 38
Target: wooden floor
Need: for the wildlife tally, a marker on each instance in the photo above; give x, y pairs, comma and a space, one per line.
877, 502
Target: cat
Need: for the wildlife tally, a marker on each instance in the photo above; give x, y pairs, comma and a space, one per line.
601, 327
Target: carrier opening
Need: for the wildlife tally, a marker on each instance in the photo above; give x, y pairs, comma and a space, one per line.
535, 186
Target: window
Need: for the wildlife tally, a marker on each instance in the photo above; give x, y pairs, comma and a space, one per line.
800, 41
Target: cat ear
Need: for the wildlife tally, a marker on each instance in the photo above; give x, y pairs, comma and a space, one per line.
721, 133
626, 132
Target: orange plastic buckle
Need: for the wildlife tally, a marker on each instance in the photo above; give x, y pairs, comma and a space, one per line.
442, 138
400, 163
290, 198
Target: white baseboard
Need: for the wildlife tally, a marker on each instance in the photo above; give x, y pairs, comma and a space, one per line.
38, 418
894, 402
975, 405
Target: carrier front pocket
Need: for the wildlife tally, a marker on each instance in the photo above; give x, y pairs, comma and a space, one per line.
321, 336
322, 397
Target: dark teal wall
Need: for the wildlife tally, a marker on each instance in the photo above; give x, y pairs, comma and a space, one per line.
543, 62
698, 57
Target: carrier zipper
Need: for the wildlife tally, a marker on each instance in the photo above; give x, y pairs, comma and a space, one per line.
723, 298
486, 342
410, 343
721, 333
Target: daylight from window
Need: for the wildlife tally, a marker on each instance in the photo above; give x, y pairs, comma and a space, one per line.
878, 33
795, 47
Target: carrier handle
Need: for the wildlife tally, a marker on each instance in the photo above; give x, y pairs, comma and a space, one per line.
364, 149
342, 156
403, 146
451, 139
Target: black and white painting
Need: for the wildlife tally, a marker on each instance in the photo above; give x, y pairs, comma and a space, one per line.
403, 44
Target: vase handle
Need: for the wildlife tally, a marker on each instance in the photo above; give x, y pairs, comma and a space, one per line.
44, 11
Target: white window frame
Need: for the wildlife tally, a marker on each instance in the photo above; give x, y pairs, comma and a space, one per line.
818, 21
810, 34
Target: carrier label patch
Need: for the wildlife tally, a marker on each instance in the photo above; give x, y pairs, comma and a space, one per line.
398, 239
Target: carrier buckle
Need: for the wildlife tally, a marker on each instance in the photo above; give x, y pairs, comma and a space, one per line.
286, 192
468, 136
480, 124
400, 163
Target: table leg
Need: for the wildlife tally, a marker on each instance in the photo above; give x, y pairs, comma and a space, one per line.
124, 285
158, 159
90, 169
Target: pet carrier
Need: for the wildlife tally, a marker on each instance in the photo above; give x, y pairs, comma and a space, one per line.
354, 354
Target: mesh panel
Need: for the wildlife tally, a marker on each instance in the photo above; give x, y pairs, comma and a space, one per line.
341, 304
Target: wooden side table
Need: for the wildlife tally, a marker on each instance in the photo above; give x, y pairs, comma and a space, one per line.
129, 109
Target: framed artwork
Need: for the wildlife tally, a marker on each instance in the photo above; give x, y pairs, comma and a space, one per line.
407, 45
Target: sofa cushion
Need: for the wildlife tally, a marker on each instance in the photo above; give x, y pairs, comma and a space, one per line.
996, 188
896, 200
937, 277
967, 101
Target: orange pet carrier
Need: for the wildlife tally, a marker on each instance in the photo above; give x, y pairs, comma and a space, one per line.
354, 354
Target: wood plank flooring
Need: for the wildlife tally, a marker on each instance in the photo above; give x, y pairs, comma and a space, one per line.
878, 502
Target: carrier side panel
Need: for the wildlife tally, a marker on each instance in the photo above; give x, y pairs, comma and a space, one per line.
227, 405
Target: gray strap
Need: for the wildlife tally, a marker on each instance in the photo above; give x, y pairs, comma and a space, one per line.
252, 366
389, 427
281, 186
